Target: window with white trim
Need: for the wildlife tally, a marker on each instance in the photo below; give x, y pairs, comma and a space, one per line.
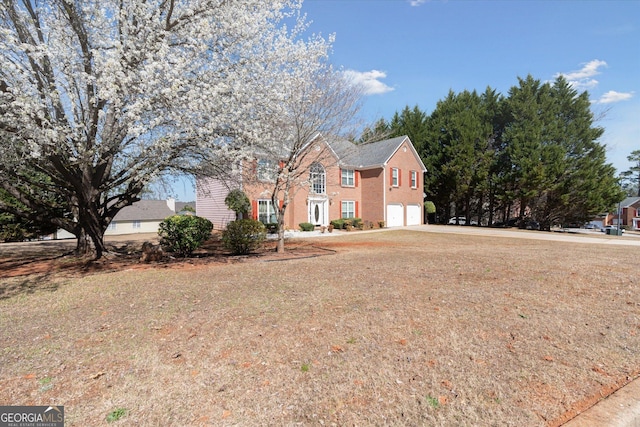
317, 177
395, 177
347, 177
348, 209
414, 179
136, 224
266, 212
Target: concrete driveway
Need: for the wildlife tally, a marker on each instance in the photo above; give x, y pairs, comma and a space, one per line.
578, 236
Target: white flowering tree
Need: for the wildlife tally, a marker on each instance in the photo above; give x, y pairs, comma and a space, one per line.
100, 97
320, 104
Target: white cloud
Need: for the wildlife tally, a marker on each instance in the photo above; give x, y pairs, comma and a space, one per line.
417, 2
369, 81
613, 96
582, 79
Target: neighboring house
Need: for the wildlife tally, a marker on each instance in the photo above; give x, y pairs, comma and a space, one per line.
144, 216
629, 214
380, 181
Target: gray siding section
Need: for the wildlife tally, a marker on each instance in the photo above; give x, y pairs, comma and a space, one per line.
210, 195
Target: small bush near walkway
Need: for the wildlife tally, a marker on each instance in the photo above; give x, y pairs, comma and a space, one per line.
306, 226
243, 236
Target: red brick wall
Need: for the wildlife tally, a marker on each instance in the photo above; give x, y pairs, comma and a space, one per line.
373, 188
406, 162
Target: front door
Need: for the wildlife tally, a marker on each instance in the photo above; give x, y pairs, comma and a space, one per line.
318, 212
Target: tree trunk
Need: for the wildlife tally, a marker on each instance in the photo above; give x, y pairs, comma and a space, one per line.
492, 199
89, 246
280, 243
90, 235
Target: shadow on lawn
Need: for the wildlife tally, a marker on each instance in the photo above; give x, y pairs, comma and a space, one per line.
24, 285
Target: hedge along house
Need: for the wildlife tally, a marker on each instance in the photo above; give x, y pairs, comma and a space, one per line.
380, 181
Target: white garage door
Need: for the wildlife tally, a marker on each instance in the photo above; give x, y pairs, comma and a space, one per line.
395, 216
413, 215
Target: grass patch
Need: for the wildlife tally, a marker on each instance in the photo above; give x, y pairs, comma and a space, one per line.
116, 415
432, 401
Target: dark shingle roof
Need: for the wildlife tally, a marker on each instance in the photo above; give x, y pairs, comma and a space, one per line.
374, 154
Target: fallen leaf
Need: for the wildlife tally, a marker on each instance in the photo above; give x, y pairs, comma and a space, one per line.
226, 414
337, 349
548, 358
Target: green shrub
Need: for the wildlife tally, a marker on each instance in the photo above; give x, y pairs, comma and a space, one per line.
430, 207
338, 224
243, 236
238, 202
357, 223
306, 226
183, 234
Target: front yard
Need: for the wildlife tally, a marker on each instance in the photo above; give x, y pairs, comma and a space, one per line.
388, 328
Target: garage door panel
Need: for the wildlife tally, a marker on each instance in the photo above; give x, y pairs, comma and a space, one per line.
413, 215
395, 215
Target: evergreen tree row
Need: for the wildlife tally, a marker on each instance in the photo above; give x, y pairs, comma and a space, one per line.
533, 155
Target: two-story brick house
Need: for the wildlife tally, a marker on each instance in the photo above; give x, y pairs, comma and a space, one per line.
380, 181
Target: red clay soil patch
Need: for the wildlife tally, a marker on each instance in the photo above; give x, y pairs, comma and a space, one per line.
56, 258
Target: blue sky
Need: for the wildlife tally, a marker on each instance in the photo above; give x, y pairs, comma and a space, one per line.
412, 52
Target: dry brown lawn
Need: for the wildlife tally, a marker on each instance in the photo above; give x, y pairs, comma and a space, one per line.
390, 328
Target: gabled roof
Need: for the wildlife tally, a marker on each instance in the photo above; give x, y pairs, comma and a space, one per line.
374, 154
145, 210
630, 201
